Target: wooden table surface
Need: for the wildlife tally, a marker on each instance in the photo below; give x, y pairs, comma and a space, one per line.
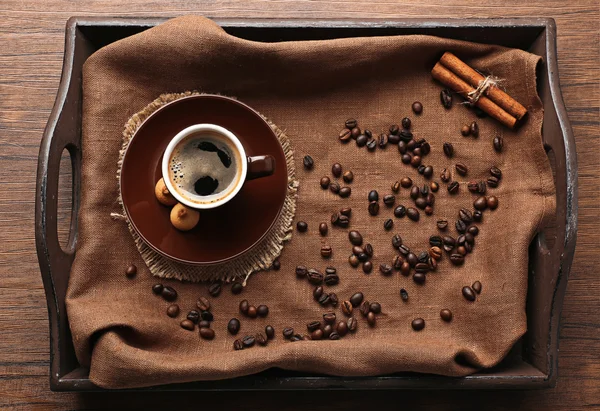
31, 52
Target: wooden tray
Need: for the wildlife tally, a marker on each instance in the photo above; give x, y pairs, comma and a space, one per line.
531, 364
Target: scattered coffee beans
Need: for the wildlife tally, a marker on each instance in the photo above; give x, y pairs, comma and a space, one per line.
385, 269
207, 333
388, 224
371, 319
157, 288
270, 332
351, 123
215, 289
453, 187
457, 259
373, 196
493, 182
194, 316
288, 332
345, 135
446, 98
348, 176
492, 202
262, 310
480, 203
325, 181
353, 260
169, 293
233, 326
465, 130
498, 144
442, 224
400, 211
203, 304
448, 150
373, 208
355, 238
131, 271
412, 213
461, 169
396, 186
261, 339
248, 341
476, 287
474, 129
352, 324
445, 175
355, 133
329, 318
301, 226
237, 288
187, 325
403, 294
334, 187
326, 251
367, 267
389, 200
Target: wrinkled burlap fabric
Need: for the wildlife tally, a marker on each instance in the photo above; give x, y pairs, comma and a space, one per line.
309, 88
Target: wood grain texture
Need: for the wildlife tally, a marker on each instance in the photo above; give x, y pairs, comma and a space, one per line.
31, 47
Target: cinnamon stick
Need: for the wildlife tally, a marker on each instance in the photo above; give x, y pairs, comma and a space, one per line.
462, 70
452, 81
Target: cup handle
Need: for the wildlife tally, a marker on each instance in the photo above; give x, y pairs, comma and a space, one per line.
260, 166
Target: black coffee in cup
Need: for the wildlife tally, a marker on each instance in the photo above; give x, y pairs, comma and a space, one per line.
205, 167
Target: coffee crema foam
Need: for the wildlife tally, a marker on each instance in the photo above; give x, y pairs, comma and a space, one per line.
205, 167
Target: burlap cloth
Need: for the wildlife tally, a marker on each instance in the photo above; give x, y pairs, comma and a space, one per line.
260, 257
120, 329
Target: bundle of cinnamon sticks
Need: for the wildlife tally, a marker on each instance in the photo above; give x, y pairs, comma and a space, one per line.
479, 90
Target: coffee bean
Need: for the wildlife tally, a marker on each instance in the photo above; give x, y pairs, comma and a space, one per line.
496, 172
203, 324
425, 148
382, 140
346, 211
369, 250
480, 203
465, 215
157, 288
498, 144
237, 288
325, 182
261, 339
357, 250
371, 144
492, 202
403, 294
131, 271
314, 276
288, 332
298, 337
388, 224
237, 345
353, 260
313, 325
327, 330
446, 315
493, 182
400, 211
330, 270
417, 107
406, 158
302, 226
473, 230
203, 304
252, 311
373, 208
421, 168
347, 308
428, 172
406, 182
308, 162
435, 253
457, 259
373, 196
436, 241
419, 278
423, 257
412, 213
262, 310
351, 123
355, 132
326, 251
375, 308
207, 333
442, 224
336, 169
355, 237
389, 200
405, 268
368, 133
331, 279
385, 269
397, 262
173, 310
348, 176
474, 129
412, 259
233, 326
276, 264
453, 187
248, 341
476, 287
461, 250
445, 175
473, 186
396, 186
301, 271
342, 221
334, 187
365, 308
187, 325
396, 241
215, 289
362, 257
415, 161
446, 98
169, 293
318, 292
465, 130
415, 192
244, 305
345, 192
316, 334
362, 140
448, 150
345, 135
367, 267
421, 203
323, 299
468, 293
371, 319
461, 169
394, 129
404, 250
395, 139
356, 299
194, 316
418, 324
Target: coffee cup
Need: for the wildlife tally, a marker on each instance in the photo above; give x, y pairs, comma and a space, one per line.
205, 165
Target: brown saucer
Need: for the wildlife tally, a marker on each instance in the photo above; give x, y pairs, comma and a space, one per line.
222, 233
